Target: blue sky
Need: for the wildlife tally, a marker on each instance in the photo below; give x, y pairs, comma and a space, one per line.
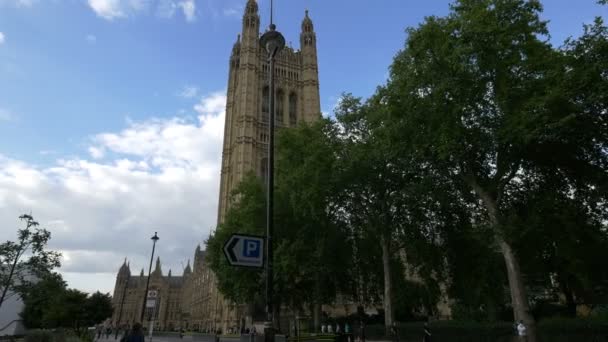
98, 95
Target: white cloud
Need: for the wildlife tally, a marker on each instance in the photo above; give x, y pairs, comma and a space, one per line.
91, 39
157, 175
189, 9
18, 3
113, 9
2, 38
188, 92
96, 152
168, 8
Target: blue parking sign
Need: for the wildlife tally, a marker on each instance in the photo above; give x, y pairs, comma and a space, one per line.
245, 250
251, 248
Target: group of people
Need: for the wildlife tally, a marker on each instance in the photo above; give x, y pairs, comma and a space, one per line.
426, 333
133, 334
103, 331
329, 329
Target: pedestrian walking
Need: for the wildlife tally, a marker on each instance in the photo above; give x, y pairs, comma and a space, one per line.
522, 331
394, 332
347, 332
99, 331
135, 335
427, 333
362, 333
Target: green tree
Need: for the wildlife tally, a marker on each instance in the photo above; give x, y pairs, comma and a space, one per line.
23, 260
313, 253
98, 308
68, 310
39, 298
386, 193
247, 215
477, 93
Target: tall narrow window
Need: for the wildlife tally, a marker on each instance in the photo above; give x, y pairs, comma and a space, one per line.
265, 104
280, 105
293, 109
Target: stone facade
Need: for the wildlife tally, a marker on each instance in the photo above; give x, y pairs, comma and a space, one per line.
297, 99
192, 301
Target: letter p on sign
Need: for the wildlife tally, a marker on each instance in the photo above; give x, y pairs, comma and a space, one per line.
251, 248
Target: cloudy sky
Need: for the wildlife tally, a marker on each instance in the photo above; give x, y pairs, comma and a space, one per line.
112, 111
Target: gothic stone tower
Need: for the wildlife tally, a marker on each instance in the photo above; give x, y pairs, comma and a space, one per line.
297, 99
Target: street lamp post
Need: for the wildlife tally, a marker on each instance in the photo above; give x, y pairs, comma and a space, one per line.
143, 305
122, 303
273, 41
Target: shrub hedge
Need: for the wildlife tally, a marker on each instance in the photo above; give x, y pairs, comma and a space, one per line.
555, 330
54, 336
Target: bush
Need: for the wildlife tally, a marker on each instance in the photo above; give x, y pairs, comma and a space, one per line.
58, 335
553, 330
39, 336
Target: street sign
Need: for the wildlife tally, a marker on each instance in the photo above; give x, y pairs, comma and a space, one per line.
151, 300
245, 250
150, 303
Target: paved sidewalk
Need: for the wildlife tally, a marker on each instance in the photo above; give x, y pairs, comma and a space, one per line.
154, 339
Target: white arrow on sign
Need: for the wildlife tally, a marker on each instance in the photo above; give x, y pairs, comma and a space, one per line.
245, 250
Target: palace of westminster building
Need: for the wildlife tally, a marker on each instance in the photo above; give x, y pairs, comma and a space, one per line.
192, 301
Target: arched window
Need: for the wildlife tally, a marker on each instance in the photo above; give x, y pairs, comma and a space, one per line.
280, 106
293, 109
265, 104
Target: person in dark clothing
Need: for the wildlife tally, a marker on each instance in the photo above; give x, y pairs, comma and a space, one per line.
394, 332
427, 333
136, 334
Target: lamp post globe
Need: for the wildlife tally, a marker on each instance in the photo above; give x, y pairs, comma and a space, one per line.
273, 41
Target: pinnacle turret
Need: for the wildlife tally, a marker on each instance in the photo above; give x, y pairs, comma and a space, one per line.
251, 7
158, 270
188, 270
307, 25
124, 269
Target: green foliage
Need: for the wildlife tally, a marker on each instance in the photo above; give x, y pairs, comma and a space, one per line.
312, 256
49, 304
39, 298
16, 273
312, 250
564, 330
39, 336
57, 335
98, 308
487, 145
485, 101
246, 216
67, 310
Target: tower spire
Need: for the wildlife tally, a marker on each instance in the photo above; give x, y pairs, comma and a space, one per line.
158, 269
271, 13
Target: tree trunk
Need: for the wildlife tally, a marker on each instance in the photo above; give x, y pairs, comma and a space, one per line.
519, 297
568, 294
388, 291
316, 316
10, 277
